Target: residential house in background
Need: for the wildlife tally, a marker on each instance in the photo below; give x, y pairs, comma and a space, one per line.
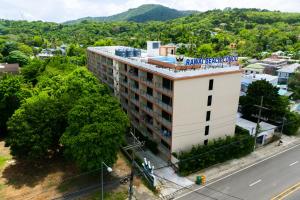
255, 68
247, 79
266, 133
287, 71
6, 68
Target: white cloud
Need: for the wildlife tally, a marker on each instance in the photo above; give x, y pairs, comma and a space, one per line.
62, 10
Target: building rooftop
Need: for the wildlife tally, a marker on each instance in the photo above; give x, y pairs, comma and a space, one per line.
143, 62
255, 66
290, 68
10, 68
273, 61
257, 77
251, 126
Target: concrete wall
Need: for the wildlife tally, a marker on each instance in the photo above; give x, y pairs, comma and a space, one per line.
190, 107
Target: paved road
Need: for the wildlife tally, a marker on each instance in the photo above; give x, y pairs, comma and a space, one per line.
259, 182
294, 196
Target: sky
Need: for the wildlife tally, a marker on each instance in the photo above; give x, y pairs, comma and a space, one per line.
63, 10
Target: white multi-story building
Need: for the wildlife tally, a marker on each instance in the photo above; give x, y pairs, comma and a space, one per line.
175, 104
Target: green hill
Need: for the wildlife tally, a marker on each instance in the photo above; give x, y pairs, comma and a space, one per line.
144, 13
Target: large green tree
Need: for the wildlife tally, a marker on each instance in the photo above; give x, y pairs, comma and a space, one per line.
294, 85
97, 126
276, 106
17, 57
12, 92
35, 128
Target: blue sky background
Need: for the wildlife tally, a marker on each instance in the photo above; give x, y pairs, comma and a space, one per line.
63, 10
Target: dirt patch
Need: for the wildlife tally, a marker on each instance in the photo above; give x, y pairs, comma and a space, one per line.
22, 180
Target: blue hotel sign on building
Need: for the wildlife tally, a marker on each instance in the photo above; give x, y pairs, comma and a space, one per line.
218, 60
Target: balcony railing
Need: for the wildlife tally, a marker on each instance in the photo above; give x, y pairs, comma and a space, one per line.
163, 89
147, 96
162, 104
147, 81
110, 73
147, 109
135, 101
124, 81
124, 94
134, 87
166, 122
164, 133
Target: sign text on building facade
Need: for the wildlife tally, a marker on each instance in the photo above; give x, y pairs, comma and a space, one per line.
201, 61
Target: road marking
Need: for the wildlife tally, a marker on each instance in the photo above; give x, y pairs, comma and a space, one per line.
294, 163
287, 192
254, 183
185, 194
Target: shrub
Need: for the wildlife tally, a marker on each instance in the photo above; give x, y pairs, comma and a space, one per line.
218, 151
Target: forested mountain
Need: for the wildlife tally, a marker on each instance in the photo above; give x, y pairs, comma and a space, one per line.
210, 33
144, 13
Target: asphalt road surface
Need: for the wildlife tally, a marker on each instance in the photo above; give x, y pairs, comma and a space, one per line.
259, 182
293, 196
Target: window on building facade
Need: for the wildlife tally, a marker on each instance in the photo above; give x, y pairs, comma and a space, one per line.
209, 100
205, 142
206, 130
149, 91
149, 76
207, 115
166, 99
150, 105
168, 84
211, 84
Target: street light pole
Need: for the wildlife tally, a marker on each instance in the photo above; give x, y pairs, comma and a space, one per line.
101, 180
109, 169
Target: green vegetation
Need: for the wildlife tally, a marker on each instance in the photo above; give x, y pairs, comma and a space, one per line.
56, 107
277, 106
109, 196
294, 85
2, 163
217, 151
144, 13
13, 91
205, 34
66, 111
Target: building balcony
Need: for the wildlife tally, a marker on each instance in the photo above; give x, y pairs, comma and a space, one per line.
134, 76
134, 88
110, 73
164, 134
164, 121
147, 81
163, 89
147, 96
147, 109
124, 94
124, 105
135, 101
163, 105
164, 150
124, 82
134, 112
149, 124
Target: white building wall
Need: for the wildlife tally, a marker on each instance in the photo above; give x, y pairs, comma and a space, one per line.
190, 107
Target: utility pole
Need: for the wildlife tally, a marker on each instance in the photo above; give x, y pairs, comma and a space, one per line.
260, 107
281, 130
136, 144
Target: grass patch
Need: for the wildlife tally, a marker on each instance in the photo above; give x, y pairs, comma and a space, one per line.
3, 160
109, 196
